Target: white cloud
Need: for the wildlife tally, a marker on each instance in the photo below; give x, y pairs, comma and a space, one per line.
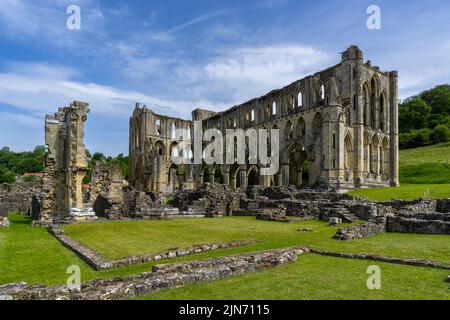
244, 73
39, 88
168, 34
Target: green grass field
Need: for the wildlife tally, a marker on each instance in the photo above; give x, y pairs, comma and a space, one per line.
426, 165
315, 277
405, 192
33, 255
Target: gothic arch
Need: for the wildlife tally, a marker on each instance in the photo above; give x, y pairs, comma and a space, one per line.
289, 131
301, 128
317, 124
385, 158
253, 176
348, 152
383, 111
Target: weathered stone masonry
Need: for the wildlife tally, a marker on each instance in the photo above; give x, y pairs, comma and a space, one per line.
342, 121
65, 163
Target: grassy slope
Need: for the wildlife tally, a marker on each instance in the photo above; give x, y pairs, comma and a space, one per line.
426, 165
424, 172
405, 192
317, 277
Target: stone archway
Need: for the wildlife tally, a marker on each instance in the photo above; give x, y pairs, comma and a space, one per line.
253, 176
298, 165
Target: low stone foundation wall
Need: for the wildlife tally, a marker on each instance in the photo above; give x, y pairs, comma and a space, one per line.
162, 277
99, 262
281, 218
377, 257
365, 230
413, 225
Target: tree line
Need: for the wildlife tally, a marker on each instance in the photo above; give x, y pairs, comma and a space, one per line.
13, 164
424, 119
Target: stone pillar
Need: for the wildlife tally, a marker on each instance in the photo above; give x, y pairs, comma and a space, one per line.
299, 174
284, 174
243, 179
226, 177
393, 134
211, 178
359, 127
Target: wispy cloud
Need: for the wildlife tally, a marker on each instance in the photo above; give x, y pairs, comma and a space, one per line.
168, 34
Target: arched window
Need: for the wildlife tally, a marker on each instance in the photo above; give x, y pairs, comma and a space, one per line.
174, 131
289, 131
373, 100
382, 108
158, 127
301, 128
300, 100
348, 152
322, 92
366, 105
318, 124
274, 108
252, 115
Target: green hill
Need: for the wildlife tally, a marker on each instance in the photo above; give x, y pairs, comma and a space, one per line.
426, 165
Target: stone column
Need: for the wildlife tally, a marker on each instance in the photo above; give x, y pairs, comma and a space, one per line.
393, 133
226, 177
299, 177
359, 127
284, 174
243, 179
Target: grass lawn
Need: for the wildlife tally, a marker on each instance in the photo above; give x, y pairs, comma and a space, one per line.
318, 277
117, 239
425, 165
405, 192
33, 255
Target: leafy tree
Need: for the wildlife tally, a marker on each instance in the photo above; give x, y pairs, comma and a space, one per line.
440, 134
413, 114
438, 99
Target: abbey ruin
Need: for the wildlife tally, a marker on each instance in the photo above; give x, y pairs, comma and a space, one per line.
338, 129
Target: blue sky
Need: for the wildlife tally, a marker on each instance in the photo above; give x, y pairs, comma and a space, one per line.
177, 55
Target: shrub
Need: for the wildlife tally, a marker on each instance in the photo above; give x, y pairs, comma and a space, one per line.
441, 133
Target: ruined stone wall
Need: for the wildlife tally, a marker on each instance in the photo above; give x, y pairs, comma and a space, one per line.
343, 121
65, 162
18, 196
421, 223
107, 190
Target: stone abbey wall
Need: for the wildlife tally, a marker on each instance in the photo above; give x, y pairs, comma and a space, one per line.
338, 128
65, 162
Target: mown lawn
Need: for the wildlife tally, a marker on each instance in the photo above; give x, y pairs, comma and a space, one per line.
405, 192
117, 239
315, 277
33, 255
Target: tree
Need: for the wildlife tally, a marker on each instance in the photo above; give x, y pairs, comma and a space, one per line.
440, 134
414, 113
438, 99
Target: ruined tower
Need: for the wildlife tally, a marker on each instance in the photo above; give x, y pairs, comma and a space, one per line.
65, 163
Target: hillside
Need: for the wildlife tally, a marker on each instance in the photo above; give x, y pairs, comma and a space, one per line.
426, 165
